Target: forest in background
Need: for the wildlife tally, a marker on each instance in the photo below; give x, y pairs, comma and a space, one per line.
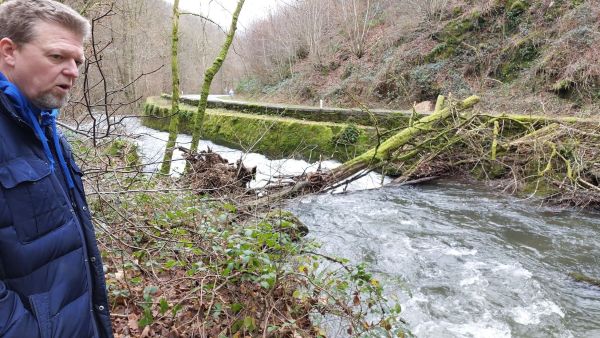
128, 57
536, 57
520, 56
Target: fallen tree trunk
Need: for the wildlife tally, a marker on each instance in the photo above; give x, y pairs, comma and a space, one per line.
537, 135
371, 159
558, 153
376, 156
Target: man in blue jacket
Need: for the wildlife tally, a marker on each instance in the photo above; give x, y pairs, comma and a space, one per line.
51, 277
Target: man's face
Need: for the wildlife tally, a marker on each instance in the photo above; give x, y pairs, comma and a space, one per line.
45, 69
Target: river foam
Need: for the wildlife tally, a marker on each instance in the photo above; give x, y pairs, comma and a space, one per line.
533, 314
152, 145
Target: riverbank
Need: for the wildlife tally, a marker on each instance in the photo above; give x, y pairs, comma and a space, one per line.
182, 263
555, 158
274, 136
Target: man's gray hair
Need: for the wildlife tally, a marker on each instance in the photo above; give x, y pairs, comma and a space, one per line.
18, 19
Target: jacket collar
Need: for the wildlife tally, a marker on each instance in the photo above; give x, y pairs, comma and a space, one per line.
20, 108
7, 107
15, 102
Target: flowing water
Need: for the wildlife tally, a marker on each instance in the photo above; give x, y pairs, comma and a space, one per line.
463, 260
152, 146
466, 261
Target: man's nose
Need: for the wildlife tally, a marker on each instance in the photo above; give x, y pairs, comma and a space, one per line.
71, 69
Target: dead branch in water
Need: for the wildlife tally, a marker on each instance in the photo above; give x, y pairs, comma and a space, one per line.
371, 160
560, 155
211, 172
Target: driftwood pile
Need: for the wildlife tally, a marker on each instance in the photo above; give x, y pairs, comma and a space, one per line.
211, 173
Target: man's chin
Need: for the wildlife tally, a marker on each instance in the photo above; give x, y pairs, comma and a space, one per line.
49, 101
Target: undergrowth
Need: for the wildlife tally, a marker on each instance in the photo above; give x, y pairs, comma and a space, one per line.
182, 264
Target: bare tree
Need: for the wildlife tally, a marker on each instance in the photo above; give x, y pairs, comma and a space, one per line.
174, 123
354, 19
210, 74
431, 10
311, 21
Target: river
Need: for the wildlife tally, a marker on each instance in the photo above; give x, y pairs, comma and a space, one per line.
464, 260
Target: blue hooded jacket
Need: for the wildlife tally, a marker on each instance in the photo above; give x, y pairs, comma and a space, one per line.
51, 277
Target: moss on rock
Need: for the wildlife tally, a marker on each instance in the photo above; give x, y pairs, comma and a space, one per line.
269, 135
516, 58
336, 115
585, 279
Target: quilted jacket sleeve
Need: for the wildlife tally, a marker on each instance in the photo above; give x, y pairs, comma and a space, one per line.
15, 319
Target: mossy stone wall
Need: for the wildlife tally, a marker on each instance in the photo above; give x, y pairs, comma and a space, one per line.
275, 137
389, 119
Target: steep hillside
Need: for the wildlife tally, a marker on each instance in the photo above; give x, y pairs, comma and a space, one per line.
519, 56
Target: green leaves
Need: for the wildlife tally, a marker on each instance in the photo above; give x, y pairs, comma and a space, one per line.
149, 291
229, 275
248, 324
236, 307
217, 310
347, 136
164, 306
147, 317
170, 264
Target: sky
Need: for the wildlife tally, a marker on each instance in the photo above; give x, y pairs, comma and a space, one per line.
220, 10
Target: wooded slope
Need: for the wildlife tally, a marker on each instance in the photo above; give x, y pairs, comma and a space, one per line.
520, 56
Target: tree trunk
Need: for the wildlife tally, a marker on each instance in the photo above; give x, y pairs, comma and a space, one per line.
371, 159
208, 77
174, 124
377, 156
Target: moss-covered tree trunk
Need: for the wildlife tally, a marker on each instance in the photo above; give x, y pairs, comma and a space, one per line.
174, 124
209, 75
373, 158
376, 156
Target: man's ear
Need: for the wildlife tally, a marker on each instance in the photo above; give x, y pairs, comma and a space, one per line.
7, 51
